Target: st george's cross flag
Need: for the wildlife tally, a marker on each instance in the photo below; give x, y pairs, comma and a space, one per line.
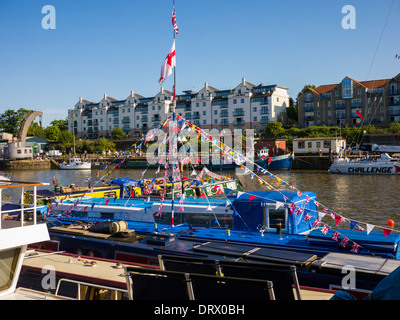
168, 64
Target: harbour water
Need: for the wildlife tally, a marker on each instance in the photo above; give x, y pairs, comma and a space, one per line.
371, 199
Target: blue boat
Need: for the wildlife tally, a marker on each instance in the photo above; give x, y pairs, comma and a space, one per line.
282, 162
259, 226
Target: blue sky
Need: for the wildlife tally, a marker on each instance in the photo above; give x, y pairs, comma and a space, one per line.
117, 46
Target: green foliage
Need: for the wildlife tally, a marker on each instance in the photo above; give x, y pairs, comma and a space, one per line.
61, 124
52, 133
10, 120
117, 134
35, 130
351, 134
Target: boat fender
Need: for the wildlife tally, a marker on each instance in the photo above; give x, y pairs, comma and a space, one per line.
118, 226
279, 228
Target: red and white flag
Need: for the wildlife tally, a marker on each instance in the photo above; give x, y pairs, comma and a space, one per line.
174, 25
168, 64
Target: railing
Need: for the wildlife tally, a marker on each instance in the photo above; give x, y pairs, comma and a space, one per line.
23, 207
91, 285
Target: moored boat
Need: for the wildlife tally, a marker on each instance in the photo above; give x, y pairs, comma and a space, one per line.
384, 164
75, 163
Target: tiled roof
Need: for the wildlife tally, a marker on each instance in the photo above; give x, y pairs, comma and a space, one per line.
371, 84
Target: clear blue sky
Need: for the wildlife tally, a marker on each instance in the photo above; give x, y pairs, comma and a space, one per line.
117, 46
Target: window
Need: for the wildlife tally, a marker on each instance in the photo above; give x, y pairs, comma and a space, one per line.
204, 113
204, 104
215, 112
327, 144
241, 100
254, 109
9, 260
273, 217
301, 144
234, 101
255, 119
347, 88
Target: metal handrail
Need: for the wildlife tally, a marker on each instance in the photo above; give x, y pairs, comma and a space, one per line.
79, 283
22, 185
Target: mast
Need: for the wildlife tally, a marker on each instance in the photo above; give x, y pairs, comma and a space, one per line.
174, 147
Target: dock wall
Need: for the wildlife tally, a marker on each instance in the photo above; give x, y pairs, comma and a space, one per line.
25, 165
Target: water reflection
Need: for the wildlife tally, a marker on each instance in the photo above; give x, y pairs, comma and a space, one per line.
371, 199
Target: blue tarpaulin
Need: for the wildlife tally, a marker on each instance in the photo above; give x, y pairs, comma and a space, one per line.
124, 183
252, 211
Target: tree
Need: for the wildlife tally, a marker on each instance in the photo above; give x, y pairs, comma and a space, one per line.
292, 110
10, 120
274, 129
35, 130
52, 133
62, 124
117, 134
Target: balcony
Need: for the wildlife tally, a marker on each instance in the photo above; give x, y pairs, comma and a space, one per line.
196, 116
394, 111
155, 118
126, 120
308, 109
394, 102
238, 122
238, 113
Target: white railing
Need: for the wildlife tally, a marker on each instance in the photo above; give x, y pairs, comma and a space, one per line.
90, 285
23, 207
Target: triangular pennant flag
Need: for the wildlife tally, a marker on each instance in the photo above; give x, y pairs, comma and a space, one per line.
235, 214
369, 228
278, 205
203, 195
209, 208
92, 206
338, 218
227, 190
352, 224
386, 231
239, 194
215, 221
321, 215
251, 197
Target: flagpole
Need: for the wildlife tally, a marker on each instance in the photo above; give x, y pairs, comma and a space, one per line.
173, 134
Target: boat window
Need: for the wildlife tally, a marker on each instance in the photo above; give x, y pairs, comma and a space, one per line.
107, 215
275, 217
8, 264
110, 194
195, 219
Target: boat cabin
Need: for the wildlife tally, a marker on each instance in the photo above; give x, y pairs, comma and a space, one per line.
275, 211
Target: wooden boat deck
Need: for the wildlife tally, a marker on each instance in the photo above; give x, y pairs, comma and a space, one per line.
70, 266
108, 272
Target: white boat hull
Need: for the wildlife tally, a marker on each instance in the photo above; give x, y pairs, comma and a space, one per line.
75, 167
365, 168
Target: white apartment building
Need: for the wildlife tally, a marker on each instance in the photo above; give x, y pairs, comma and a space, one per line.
247, 106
